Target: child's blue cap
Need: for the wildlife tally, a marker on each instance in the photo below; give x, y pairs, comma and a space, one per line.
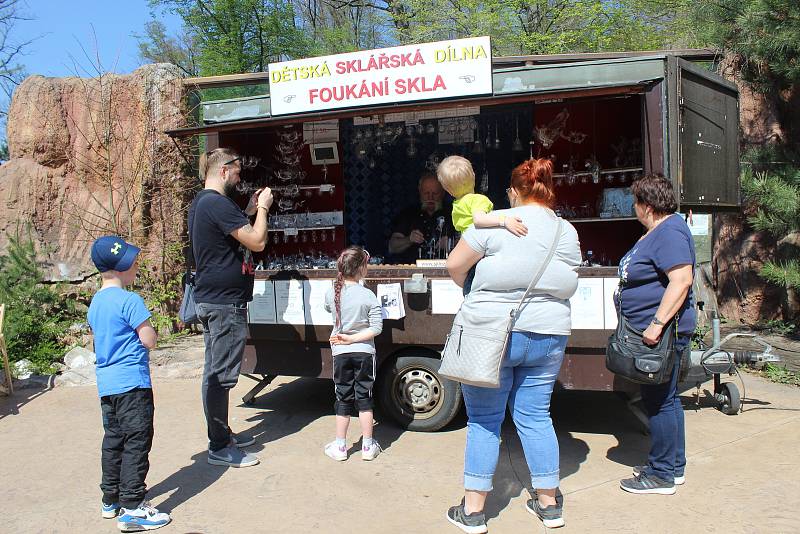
112, 253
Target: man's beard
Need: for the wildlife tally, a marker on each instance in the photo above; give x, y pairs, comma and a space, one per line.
432, 206
229, 189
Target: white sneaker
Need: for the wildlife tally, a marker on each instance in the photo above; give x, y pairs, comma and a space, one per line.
332, 450
145, 517
371, 452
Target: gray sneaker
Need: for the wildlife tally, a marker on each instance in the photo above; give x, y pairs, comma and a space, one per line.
647, 483
474, 523
679, 480
551, 516
231, 457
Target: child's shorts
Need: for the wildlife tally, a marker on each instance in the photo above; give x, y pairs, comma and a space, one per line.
354, 378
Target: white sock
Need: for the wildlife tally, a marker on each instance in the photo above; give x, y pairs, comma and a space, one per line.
368, 442
341, 442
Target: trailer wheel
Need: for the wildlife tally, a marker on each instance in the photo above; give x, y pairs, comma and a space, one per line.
413, 394
730, 402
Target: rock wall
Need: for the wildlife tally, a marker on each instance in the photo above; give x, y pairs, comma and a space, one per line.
88, 157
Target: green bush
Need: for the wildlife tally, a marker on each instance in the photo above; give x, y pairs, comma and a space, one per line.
771, 185
37, 318
161, 288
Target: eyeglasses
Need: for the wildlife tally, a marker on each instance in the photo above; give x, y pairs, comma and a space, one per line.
234, 160
508, 190
366, 253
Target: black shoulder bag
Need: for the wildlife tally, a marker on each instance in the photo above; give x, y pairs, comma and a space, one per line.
628, 356
188, 311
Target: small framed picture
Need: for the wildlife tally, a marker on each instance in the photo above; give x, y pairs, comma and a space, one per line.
324, 154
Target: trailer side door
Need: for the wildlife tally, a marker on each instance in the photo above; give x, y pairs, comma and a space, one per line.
708, 139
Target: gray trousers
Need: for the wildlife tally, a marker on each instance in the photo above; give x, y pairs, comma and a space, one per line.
225, 334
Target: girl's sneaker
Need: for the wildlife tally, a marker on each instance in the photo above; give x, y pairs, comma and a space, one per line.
371, 452
336, 452
110, 511
145, 517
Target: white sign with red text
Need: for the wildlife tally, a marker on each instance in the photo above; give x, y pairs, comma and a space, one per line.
445, 69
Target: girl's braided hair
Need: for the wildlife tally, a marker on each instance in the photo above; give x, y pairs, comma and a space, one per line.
350, 261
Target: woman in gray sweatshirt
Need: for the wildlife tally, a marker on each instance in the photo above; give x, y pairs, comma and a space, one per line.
356, 321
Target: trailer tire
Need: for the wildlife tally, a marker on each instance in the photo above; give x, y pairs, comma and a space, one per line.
730, 400
413, 394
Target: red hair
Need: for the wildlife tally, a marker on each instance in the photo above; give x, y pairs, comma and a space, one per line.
533, 181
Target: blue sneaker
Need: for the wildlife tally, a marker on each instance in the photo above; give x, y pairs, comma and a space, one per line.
231, 457
110, 511
145, 517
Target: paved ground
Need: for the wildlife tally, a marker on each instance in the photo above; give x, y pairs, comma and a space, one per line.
743, 471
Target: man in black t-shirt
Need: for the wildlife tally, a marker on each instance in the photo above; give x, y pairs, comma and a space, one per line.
222, 240
416, 226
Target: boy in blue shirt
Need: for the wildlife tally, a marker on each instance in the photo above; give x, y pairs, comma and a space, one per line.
123, 337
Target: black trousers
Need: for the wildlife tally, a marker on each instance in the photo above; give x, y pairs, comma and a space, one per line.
353, 377
225, 334
128, 424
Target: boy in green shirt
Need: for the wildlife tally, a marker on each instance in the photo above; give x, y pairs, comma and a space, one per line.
457, 178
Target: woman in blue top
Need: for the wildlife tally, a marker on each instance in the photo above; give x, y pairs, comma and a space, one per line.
655, 286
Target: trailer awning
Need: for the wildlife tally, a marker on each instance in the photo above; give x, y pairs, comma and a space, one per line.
528, 83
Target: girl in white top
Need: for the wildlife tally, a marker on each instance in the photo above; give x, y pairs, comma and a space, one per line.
356, 321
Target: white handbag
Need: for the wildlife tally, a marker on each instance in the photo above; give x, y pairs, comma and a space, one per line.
476, 345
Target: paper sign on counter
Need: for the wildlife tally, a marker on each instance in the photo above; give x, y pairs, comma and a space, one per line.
446, 297
314, 293
289, 302
587, 304
609, 287
262, 308
391, 298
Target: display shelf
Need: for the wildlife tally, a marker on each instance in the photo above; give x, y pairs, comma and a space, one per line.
325, 188
600, 219
603, 172
308, 229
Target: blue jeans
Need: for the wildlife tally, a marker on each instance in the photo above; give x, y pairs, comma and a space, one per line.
667, 458
225, 334
526, 384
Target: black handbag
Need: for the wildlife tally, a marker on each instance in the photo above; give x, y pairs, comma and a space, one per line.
628, 356
188, 310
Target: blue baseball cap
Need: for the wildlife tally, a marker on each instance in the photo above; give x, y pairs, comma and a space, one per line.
112, 253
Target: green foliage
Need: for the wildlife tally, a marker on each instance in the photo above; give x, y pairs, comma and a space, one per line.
160, 290
230, 36
782, 273
771, 185
158, 46
777, 201
37, 317
778, 327
765, 32
548, 27
233, 36
698, 337
781, 375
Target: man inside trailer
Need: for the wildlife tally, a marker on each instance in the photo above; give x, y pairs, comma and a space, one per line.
422, 230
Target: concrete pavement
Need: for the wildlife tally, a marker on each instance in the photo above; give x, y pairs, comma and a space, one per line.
743, 473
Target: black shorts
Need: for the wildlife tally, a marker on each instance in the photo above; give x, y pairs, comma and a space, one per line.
353, 377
